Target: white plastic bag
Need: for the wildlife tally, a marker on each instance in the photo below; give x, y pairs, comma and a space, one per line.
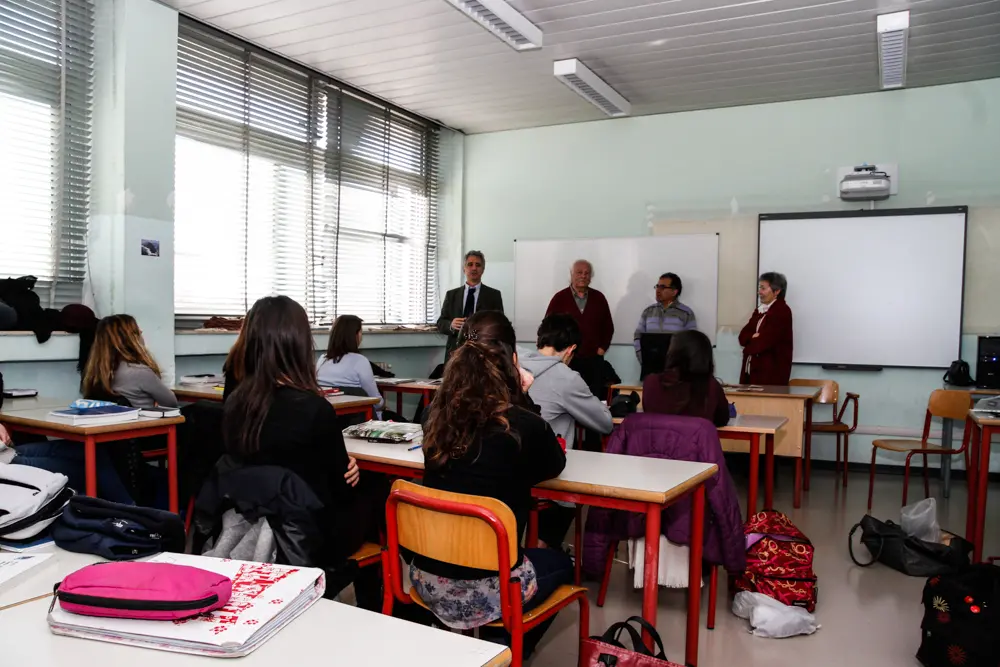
770, 618
919, 520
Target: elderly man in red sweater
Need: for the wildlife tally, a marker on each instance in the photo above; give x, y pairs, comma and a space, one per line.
590, 310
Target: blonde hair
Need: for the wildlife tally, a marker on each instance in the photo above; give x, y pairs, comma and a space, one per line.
118, 339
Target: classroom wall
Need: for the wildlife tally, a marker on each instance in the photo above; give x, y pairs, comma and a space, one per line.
716, 170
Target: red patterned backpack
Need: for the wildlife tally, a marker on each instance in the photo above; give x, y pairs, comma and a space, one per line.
779, 561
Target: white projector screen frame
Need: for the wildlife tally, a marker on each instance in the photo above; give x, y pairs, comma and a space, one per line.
871, 288
625, 271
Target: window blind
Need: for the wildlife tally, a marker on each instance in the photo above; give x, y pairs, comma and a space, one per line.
46, 107
288, 182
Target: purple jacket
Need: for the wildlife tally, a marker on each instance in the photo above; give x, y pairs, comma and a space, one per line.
684, 439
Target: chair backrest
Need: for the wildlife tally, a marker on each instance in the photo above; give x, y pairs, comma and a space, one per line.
454, 528
950, 404
830, 389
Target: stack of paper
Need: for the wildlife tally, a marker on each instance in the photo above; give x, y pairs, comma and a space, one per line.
383, 431
265, 599
14, 565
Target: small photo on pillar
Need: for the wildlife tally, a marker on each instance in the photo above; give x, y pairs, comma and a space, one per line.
150, 248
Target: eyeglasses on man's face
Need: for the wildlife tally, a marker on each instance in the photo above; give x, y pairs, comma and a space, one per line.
661, 286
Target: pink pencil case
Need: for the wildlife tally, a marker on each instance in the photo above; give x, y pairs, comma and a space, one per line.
146, 591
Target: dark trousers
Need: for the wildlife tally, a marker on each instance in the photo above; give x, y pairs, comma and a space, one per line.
67, 458
553, 569
553, 524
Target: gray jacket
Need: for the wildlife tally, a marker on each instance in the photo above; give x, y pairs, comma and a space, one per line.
563, 396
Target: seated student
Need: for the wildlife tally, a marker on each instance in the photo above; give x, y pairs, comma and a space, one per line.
120, 367
480, 440
343, 366
687, 385
278, 417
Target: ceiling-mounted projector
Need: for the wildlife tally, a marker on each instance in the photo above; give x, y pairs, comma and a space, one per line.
866, 183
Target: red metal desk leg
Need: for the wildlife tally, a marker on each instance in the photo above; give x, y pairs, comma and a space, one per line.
369, 413
399, 402
651, 586
972, 481
797, 493
769, 471
90, 465
694, 575
172, 470
754, 474
983, 473
808, 448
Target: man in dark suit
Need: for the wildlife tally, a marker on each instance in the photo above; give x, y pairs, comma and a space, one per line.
470, 298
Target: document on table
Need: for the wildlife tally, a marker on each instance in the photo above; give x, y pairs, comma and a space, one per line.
14, 565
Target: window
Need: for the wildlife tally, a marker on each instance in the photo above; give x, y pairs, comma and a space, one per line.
46, 104
289, 183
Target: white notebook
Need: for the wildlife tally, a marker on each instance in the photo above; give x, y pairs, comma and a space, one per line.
265, 599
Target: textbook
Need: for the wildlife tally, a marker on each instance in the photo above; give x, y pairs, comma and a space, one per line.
207, 378
108, 414
160, 412
266, 597
383, 431
19, 393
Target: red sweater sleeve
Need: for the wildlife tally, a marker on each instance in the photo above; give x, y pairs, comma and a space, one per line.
773, 332
553, 304
606, 325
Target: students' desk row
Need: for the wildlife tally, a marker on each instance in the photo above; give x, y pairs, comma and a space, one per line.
749, 428
36, 420
342, 403
626, 483
327, 632
984, 427
793, 403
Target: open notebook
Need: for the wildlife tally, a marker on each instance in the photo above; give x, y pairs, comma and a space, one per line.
265, 599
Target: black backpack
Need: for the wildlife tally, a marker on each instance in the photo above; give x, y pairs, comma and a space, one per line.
958, 374
961, 616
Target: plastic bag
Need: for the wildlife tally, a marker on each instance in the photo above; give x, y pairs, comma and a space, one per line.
770, 618
919, 520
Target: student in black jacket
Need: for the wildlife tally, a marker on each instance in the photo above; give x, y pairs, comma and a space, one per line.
277, 416
481, 439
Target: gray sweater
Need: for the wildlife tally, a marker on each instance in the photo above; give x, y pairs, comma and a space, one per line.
142, 387
563, 396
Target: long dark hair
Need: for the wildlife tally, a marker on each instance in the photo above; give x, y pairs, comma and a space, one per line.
278, 352
343, 337
688, 370
233, 365
117, 339
480, 384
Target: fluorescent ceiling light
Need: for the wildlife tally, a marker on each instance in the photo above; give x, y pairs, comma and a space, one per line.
892, 31
581, 80
503, 21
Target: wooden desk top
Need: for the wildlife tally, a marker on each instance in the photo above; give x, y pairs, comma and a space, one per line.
39, 418
34, 403
589, 473
199, 392
763, 424
416, 385
346, 401
985, 418
774, 391
754, 424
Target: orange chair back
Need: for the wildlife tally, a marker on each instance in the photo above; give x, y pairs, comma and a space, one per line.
950, 404
428, 523
829, 393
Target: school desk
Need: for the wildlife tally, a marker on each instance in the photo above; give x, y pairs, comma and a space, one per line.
630, 483
750, 428
984, 426
327, 631
423, 388
38, 422
343, 403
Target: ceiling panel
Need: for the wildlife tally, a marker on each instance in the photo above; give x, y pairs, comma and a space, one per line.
662, 55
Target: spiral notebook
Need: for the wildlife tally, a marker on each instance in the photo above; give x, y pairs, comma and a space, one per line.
266, 598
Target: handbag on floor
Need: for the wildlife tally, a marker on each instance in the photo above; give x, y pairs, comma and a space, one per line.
889, 544
961, 613
607, 650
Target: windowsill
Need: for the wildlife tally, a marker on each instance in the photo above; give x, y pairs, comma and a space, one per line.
20, 346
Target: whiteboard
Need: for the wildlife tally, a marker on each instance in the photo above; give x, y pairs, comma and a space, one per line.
625, 270
881, 288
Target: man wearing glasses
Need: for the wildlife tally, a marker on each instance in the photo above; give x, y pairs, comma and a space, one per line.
667, 315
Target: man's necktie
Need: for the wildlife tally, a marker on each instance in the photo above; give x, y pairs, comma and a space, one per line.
470, 303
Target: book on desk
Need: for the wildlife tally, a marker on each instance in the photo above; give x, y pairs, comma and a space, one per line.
97, 416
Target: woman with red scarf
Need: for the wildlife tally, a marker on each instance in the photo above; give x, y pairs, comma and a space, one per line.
767, 337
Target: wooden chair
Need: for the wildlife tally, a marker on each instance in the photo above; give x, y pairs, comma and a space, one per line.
470, 531
829, 395
367, 554
943, 403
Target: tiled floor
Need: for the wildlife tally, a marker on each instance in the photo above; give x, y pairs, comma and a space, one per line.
869, 617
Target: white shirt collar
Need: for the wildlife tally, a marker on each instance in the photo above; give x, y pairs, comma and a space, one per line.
764, 307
